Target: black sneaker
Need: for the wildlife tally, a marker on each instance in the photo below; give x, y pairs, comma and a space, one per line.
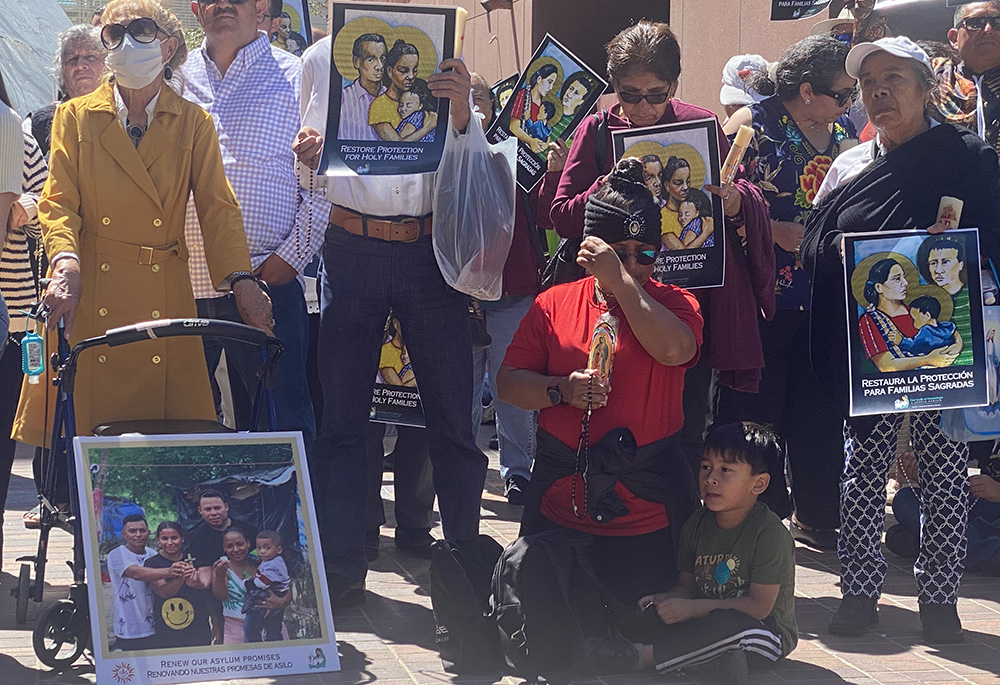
344, 592
516, 490
855, 615
371, 544
823, 539
902, 542
603, 656
726, 669
941, 623
414, 541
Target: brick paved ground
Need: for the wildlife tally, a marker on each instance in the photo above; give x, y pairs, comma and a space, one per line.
390, 639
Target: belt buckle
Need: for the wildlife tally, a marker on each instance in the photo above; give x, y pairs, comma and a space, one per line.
145, 255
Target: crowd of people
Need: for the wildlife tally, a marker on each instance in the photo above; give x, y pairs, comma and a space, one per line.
169, 183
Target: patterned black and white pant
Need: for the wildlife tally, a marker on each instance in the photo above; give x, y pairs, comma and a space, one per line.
943, 477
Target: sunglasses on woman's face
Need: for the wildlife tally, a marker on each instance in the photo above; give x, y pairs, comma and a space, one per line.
636, 98
642, 257
979, 23
143, 30
842, 97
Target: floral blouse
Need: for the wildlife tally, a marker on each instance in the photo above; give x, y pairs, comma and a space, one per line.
789, 171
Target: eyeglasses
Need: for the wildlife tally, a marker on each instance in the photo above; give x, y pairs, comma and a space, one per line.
842, 98
651, 98
143, 29
209, 3
642, 257
979, 23
845, 38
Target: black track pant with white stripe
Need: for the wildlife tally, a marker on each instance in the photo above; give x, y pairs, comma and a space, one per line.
694, 642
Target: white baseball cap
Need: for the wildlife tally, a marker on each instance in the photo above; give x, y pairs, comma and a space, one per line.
900, 46
824, 27
735, 89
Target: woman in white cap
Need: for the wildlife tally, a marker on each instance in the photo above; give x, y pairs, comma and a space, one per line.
737, 91
894, 182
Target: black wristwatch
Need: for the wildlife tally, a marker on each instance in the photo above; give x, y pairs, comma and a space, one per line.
555, 394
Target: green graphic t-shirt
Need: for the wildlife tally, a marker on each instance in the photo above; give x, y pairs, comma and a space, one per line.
725, 562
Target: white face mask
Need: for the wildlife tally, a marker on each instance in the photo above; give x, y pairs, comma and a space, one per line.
134, 64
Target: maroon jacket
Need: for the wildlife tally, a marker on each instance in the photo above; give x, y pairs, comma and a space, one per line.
730, 311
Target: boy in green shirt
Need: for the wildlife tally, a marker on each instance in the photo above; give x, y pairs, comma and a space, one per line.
736, 560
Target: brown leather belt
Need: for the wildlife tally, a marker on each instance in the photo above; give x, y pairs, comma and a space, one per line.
402, 229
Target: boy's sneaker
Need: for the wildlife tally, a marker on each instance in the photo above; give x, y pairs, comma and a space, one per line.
603, 656
727, 669
855, 615
941, 623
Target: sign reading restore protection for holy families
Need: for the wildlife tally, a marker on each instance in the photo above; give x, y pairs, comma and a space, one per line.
547, 103
395, 398
204, 559
678, 161
914, 321
383, 118
783, 10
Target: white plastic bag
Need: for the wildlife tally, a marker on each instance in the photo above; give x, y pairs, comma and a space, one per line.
474, 199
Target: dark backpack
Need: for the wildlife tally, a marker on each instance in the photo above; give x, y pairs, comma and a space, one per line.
562, 266
547, 601
466, 636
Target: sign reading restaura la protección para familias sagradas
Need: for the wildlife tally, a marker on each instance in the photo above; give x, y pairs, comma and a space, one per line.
785, 10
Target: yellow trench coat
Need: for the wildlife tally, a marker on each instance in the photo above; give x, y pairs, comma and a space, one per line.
110, 202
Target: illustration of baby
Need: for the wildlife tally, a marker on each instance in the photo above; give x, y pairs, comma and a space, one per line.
695, 217
414, 105
263, 625
542, 128
931, 334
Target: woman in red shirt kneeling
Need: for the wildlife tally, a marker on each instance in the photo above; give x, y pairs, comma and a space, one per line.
603, 359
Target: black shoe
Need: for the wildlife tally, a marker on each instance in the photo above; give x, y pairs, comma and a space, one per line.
726, 669
902, 542
941, 623
855, 615
371, 544
822, 539
414, 541
345, 592
516, 490
602, 656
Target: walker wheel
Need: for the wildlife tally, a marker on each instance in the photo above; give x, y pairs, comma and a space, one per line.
23, 593
56, 639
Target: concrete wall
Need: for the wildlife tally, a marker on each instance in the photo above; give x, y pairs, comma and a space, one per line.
710, 32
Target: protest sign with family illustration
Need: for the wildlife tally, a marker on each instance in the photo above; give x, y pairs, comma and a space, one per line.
209, 558
293, 32
678, 161
915, 321
395, 398
383, 118
547, 103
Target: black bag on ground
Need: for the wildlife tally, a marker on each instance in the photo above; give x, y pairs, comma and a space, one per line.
562, 266
547, 601
466, 636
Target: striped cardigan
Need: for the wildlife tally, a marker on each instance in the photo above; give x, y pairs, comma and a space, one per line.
17, 282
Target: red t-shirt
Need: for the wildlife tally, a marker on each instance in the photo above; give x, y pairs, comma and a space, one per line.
646, 396
873, 342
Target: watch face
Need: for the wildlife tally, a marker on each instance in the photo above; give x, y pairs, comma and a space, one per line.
555, 397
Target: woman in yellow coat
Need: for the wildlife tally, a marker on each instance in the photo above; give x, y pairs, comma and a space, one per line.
124, 161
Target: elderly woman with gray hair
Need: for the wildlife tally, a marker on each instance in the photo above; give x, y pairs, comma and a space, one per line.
895, 181
79, 68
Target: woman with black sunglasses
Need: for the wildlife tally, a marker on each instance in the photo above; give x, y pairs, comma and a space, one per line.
644, 66
124, 161
799, 130
603, 359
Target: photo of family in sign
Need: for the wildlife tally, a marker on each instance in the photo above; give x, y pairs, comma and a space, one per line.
384, 68
289, 34
202, 545
675, 175
913, 302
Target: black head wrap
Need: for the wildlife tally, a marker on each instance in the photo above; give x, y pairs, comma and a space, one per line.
613, 225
